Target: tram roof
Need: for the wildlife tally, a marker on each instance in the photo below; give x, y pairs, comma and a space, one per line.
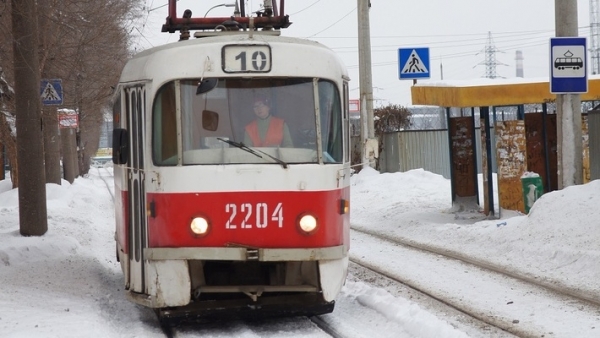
239, 37
180, 59
492, 92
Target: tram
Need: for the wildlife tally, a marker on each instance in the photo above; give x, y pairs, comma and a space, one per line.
207, 219
568, 62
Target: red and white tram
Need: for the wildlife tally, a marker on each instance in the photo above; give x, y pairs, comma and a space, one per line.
207, 222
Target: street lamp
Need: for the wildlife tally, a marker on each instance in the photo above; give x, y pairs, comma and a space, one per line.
221, 5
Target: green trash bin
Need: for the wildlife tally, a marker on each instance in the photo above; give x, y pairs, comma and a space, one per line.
533, 189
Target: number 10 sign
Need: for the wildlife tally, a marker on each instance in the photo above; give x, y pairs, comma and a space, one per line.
246, 59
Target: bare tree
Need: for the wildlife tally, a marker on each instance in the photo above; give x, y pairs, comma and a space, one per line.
391, 118
88, 57
48, 38
8, 137
83, 43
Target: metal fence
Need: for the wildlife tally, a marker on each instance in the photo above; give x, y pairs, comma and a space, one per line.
425, 144
424, 149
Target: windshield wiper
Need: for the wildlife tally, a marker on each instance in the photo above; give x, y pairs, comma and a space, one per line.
241, 146
254, 152
283, 164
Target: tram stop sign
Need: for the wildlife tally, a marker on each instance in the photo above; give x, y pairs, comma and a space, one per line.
568, 71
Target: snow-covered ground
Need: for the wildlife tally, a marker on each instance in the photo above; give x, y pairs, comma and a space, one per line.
67, 283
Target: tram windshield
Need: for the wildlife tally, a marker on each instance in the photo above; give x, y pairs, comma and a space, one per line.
248, 120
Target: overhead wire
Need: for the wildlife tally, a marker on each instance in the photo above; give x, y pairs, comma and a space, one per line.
531, 41
305, 8
333, 24
498, 39
511, 40
144, 22
530, 38
155, 8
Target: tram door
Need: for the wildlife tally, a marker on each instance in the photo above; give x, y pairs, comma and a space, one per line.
136, 97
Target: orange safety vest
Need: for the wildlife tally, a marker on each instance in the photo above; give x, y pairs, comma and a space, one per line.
274, 135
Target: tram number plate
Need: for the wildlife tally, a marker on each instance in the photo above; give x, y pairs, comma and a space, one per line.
246, 59
258, 215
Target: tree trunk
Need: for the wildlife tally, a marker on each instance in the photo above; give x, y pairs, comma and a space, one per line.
30, 152
2, 175
10, 146
51, 145
69, 152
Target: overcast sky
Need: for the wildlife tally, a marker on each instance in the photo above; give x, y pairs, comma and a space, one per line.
454, 31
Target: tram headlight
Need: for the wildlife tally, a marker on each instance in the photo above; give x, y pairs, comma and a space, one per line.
344, 206
199, 226
307, 223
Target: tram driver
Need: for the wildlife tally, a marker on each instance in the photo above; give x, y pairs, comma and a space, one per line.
266, 130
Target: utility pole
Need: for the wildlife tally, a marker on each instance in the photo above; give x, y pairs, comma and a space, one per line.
370, 149
568, 108
595, 36
33, 219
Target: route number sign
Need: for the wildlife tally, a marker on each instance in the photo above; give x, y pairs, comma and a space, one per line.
246, 59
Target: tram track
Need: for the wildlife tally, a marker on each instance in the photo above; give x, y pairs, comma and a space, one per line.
488, 324
563, 296
234, 324
166, 327
553, 286
99, 169
326, 327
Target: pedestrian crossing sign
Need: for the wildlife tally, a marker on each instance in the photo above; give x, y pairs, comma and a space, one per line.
413, 63
51, 92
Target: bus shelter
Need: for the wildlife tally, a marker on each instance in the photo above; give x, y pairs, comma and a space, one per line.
527, 144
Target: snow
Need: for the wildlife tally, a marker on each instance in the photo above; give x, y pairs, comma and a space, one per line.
67, 283
554, 242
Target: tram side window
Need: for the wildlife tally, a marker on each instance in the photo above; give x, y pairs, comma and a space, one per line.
331, 122
164, 126
346, 124
120, 137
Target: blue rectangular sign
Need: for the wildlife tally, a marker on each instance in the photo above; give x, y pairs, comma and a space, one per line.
568, 71
413, 63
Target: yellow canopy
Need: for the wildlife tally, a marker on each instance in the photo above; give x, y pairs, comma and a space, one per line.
491, 92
